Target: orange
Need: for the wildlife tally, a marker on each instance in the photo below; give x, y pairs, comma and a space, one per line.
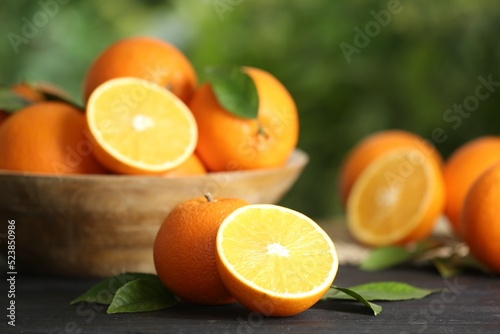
139, 127
146, 58
184, 250
47, 137
274, 260
396, 199
192, 166
480, 219
371, 148
462, 168
228, 142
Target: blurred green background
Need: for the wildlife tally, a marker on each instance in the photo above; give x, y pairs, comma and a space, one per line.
353, 67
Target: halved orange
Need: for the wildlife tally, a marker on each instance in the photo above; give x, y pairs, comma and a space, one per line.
140, 127
396, 199
274, 260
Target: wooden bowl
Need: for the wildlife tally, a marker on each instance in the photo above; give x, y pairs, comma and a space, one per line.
102, 225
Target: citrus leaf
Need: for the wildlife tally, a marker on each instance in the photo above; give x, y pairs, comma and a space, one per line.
58, 98
142, 295
235, 90
390, 256
336, 291
384, 291
10, 102
104, 291
386, 257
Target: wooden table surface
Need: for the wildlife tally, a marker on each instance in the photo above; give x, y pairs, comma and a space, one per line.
470, 305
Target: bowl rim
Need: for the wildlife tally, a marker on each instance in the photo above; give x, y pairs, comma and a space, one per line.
298, 159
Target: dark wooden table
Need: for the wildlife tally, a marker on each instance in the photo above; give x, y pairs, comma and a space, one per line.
470, 305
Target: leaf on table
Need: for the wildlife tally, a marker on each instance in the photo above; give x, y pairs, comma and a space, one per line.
142, 295
351, 294
390, 256
385, 291
386, 257
235, 90
104, 291
10, 102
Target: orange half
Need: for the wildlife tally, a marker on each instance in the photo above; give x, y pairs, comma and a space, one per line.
396, 199
140, 127
274, 260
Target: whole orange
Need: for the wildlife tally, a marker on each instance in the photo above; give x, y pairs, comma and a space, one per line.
145, 58
480, 219
228, 142
462, 168
372, 147
47, 137
184, 250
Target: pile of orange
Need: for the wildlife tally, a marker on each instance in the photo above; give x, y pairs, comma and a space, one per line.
394, 188
271, 259
144, 113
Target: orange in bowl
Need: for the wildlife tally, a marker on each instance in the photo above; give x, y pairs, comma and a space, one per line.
229, 142
146, 58
47, 137
139, 127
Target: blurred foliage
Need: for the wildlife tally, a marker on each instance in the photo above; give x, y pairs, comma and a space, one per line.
415, 67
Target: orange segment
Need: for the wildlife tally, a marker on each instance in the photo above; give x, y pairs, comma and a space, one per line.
397, 199
274, 260
140, 127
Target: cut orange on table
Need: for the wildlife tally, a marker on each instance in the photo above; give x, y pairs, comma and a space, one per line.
274, 260
140, 127
396, 199
372, 147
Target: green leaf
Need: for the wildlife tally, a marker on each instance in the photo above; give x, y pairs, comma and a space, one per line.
104, 291
235, 90
386, 257
10, 102
390, 256
141, 295
351, 294
385, 291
